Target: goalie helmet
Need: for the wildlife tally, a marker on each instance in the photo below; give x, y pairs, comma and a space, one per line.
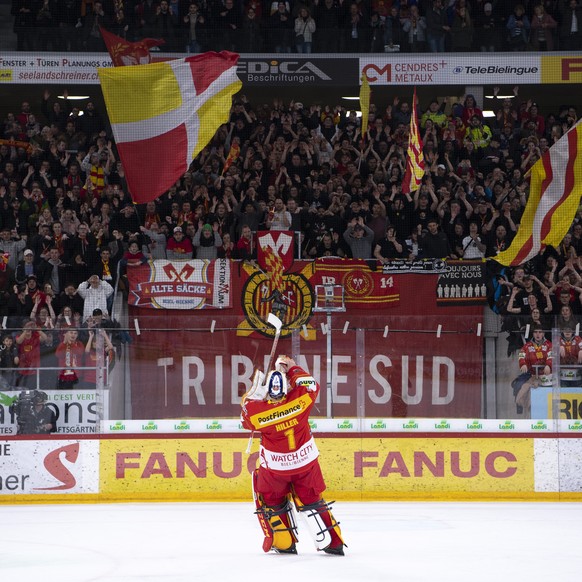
276, 385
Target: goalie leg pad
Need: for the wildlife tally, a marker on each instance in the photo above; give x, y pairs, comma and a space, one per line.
278, 523
322, 525
283, 529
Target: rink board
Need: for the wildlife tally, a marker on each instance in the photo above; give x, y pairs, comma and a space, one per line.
357, 467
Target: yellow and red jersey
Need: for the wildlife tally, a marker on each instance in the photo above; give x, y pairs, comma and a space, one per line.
287, 445
572, 348
532, 354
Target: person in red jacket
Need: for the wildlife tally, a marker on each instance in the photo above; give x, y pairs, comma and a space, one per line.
570, 357
69, 354
278, 407
535, 365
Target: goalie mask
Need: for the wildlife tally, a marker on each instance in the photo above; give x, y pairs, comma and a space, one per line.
276, 385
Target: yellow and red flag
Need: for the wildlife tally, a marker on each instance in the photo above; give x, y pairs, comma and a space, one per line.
415, 158
124, 53
554, 197
273, 266
233, 156
163, 114
365, 96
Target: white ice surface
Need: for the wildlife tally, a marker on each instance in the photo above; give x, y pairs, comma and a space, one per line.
393, 542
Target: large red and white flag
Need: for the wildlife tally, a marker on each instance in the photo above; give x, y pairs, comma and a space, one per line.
163, 114
415, 158
554, 197
124, 53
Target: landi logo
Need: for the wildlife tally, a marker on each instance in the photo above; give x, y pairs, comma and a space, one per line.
539, 425
475, 425
182, 426
150, 426
507, 425
5, 75
312, 425
443, 425
345, 425
378, 425
214, 425
575, 425
118, 426
410, 425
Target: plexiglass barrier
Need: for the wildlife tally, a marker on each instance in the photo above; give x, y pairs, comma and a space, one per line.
378, 366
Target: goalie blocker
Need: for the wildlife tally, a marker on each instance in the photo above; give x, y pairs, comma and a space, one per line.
289, 476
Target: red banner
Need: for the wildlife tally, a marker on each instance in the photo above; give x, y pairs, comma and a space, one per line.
366, 287
275, 250
417, 360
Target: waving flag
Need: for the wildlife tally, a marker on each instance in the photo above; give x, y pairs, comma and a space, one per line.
233, 156
124, 53
415, 158
554, 197
163, 114
365, 95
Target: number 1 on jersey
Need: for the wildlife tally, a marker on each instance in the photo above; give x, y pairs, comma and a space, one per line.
290, 434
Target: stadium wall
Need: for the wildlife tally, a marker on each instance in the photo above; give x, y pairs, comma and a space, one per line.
513, 460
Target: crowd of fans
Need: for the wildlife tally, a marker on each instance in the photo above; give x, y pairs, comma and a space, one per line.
67, 219
303, 26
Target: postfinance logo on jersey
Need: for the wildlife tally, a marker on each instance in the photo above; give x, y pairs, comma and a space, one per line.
283, 412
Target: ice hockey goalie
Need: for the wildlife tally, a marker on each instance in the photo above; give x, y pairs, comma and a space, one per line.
289, 477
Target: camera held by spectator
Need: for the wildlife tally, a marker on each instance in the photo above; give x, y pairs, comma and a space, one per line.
32, 414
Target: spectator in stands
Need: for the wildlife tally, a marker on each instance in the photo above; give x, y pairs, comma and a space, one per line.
246, 246
489, 27
535, 362
304, 30
355, 30
179, 246
252, 32
462, 30
207, 241
281, 27
167, 26
327, 22
89, 378
24, 22
278, 218
570, 32
92, 40
228, 24
473, 247
437, 28
69, 354
518, 26
433, 242
95, 293
414, 26
359, 239
26, 267
28, 344
195, 24
389, 247
543, 28
156, 246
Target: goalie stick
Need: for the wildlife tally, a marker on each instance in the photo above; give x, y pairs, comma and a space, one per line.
273, 320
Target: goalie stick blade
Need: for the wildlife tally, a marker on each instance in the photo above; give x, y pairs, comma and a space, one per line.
273, 320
